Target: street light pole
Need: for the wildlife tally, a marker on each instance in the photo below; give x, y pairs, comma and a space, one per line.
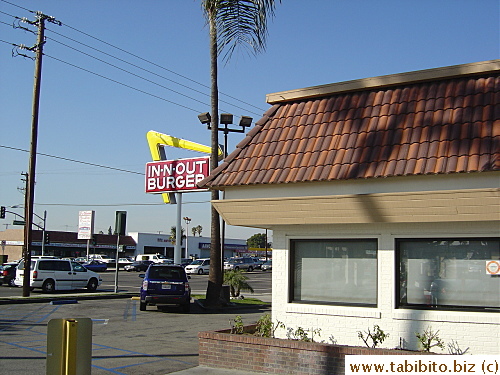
226, 119
215, 277
187, 220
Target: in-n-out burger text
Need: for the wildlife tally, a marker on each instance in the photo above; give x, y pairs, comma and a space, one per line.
176, 175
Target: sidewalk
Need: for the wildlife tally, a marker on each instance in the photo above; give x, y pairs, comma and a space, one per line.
202, 370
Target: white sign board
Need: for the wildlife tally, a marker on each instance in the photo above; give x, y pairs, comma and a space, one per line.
85, 225
169, 176
493, 267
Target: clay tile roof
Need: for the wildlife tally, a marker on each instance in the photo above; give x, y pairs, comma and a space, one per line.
438, 121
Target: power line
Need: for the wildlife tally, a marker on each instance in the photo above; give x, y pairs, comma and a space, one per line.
129, 72
114, 205
159, 66
143, 59
146, 70
123, 84
26, 9
74, 161
115, 81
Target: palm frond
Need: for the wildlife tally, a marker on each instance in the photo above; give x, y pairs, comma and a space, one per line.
240, 23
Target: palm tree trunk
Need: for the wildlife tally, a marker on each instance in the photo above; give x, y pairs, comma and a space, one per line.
215, 275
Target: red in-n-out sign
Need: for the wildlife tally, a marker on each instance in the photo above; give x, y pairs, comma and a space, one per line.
176, 175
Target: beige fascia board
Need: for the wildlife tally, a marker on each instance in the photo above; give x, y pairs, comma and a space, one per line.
387, 80
408, 207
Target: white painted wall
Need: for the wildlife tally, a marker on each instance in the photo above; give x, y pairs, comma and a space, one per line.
477, 330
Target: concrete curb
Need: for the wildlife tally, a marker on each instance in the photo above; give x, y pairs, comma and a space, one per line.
62, 297
231, 306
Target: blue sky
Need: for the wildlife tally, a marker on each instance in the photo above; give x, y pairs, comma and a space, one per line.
86, 117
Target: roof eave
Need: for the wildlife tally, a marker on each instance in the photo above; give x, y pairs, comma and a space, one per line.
384, 81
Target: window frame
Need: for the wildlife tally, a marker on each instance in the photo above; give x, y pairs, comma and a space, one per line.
397, 280
291, 273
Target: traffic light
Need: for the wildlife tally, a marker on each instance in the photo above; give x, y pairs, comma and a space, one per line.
2, 212
46, 238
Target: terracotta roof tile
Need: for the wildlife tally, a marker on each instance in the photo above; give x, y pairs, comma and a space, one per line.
443, 125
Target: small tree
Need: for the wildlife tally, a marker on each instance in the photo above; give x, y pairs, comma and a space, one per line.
429, 339
258, 240
377, 336
199, 229
237, 282
173, 235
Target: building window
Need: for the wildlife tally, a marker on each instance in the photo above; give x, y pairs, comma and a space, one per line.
336, 271
448, 274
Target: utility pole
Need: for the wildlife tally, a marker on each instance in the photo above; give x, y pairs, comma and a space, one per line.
30, 191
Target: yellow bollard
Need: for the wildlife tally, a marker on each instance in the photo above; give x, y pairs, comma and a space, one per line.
69, 346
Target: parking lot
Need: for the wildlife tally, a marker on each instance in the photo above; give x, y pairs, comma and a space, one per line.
125, 340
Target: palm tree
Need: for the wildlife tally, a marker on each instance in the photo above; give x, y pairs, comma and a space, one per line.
237, 282
173, 235
194, 230
199, 229
232, 23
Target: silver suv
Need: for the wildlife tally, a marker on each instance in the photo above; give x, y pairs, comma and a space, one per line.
240, 264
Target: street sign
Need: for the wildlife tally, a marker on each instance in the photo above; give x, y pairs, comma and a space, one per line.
19, 222
85, 224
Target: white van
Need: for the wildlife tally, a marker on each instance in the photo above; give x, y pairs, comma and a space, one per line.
58, 274
199, 266
156, 258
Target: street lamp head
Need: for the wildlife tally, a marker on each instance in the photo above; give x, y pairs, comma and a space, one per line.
205, 118
187, 219
226, 118
246, 121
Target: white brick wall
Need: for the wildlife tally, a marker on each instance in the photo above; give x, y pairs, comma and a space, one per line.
478, 331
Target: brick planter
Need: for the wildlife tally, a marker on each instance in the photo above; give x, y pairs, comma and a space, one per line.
221, 349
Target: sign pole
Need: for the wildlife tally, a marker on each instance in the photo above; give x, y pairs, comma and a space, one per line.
178, 230
117, 257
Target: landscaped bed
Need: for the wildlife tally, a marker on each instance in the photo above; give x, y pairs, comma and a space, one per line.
223, 349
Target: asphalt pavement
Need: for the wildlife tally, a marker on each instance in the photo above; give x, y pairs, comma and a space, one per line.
176, 347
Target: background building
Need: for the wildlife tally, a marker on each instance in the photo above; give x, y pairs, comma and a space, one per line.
198, 247
66, 244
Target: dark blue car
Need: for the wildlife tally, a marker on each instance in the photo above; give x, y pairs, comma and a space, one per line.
96, 266
163, 285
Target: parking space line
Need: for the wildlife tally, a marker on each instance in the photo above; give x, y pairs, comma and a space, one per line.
129, 354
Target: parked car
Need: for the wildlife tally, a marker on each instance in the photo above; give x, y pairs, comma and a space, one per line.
57, 274
239, 264
165, 284
124, 261
185, 262
141, 265
199, 266
96, 266
157, 258
267, 265
258, 263
8, 273
103, 258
